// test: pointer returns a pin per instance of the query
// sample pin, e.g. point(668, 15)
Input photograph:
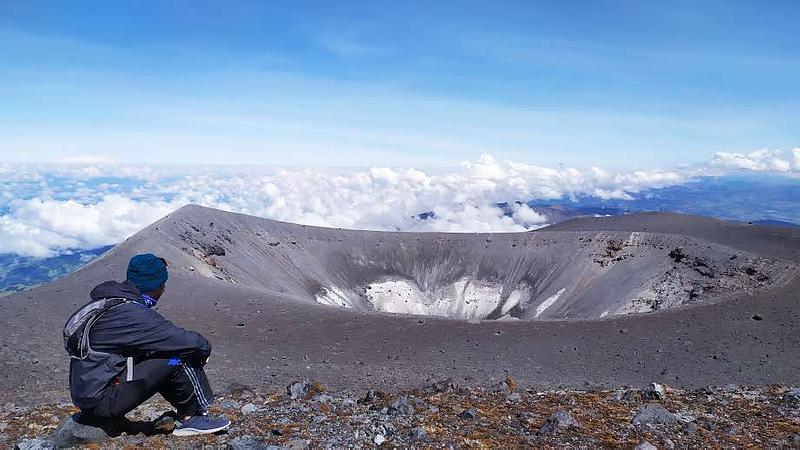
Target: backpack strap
point(79, 325)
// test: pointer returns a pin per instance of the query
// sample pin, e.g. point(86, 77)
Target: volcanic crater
point(597, 301)
point(510, 276)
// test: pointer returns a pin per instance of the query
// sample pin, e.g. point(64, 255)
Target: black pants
point(185, 387)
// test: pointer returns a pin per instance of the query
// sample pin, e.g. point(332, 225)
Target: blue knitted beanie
point(147, 272)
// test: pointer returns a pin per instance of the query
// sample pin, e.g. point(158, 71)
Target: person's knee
point(101, 412)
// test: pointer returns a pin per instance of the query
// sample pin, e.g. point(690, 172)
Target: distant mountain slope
point(18, 273)
point(772, 201)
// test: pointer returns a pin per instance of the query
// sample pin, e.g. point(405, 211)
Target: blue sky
point(619, 84)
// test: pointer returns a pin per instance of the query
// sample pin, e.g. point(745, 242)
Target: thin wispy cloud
point(386, 85)
point(351, 43)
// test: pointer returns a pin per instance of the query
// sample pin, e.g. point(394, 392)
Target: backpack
point(79, 325)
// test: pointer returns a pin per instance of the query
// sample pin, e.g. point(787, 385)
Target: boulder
point(298, 389)
point(34, 444)
point(560, 420)
point(249, 408)
point(653, 413)
point(401, 407)
point(73, 433)
point(298, 444)
point(793, 395)
point(644, 445)
point(653, 391)
point(625, 395)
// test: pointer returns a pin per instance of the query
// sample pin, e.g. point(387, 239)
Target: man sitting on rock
point(124, 352)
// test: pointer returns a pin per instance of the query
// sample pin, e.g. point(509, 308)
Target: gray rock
point(419, 403)
point(690, 428)
point(298, 444)
point(165, 423)
point(348, 403)
point(319, 419)
point(515, 397)
point(653, 413)
point(644, 445)
point(525, 416)
point(501, 387)
point(322, 398)
point(668, 444)
point(625, 395)
point(299, 407)
point(417, 434)
point(468, 414)
point(73, 434)
point(653, 391)
point(402, 407)
point(248, 442)
point(249, 408)
point(793, 395)
point(34, 444)
point(388, 428)
point(229, 404)
point(379, 439)
point(134, 441)
point(560, 420)
point(298, 389)
point(732, 430)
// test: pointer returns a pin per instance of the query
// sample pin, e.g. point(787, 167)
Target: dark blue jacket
point(129, 330)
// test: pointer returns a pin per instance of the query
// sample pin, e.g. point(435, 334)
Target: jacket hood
point(111, 289)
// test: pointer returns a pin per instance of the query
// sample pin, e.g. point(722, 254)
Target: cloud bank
point(45, 210)
point(763, 160)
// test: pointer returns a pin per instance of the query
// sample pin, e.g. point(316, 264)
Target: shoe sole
point(195, 431)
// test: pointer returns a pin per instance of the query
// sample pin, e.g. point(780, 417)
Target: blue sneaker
point(204, 424)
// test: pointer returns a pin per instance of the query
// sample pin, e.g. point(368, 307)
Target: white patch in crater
point(334, 297)
point(463, 299)
point(466, 298)
point(548, 302)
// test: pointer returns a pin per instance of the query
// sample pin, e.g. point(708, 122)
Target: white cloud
point(81, 214)
point(763, 160)
point(44, 227)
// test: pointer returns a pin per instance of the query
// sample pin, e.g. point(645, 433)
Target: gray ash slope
point(726, 295)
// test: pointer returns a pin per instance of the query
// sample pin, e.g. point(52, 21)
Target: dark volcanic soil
point(250, 284)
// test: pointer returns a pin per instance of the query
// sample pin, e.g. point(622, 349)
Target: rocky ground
point(445, 414)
